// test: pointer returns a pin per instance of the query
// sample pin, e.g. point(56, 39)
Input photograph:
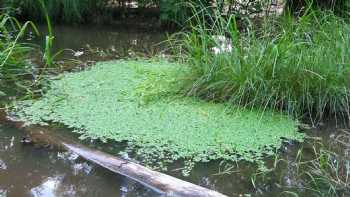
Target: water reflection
point(3, 193)
point(29, 171)
point(3, 165)
point(91, 42)
point(49, 188)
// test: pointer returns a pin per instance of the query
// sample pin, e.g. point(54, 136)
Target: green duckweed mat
point(135, 102)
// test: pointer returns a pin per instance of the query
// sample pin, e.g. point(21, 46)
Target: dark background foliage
point(167, 11)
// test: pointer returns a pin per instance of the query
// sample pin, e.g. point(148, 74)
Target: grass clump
point(13, 54)
point(108, 102)
point(298, 65)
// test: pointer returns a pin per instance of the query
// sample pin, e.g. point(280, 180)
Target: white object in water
point(49, 188)
point(78, 53)
point(81, 167)
point(3, 166)
point(12, 141)
point(224, 44)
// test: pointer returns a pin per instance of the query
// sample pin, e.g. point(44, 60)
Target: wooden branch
point(162, 183)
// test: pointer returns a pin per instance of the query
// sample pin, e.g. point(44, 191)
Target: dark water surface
point(94, 42)
point(26, 170)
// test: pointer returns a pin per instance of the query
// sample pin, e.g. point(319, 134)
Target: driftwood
point(162, 183)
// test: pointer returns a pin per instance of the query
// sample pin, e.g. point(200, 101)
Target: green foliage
point(16, 71)
point(59, 10)
point(341, 7)
point(179, 12)
point(108, 102)
point(300, 66)
point(171, 11)
point(12, 53)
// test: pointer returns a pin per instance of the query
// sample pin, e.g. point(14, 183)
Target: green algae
point(135, 101)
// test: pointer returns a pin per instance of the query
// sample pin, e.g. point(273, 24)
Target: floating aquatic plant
point(135, 101)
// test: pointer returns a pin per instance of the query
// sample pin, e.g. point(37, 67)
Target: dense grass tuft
point(300, 66)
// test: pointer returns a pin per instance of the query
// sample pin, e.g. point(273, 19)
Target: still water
point(94, 42)
point(26, 170)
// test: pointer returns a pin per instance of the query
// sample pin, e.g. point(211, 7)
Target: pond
point(27, 170)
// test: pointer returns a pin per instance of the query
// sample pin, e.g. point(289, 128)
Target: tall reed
point(49, 39)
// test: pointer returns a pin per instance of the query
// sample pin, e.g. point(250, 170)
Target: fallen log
point(162, 183)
